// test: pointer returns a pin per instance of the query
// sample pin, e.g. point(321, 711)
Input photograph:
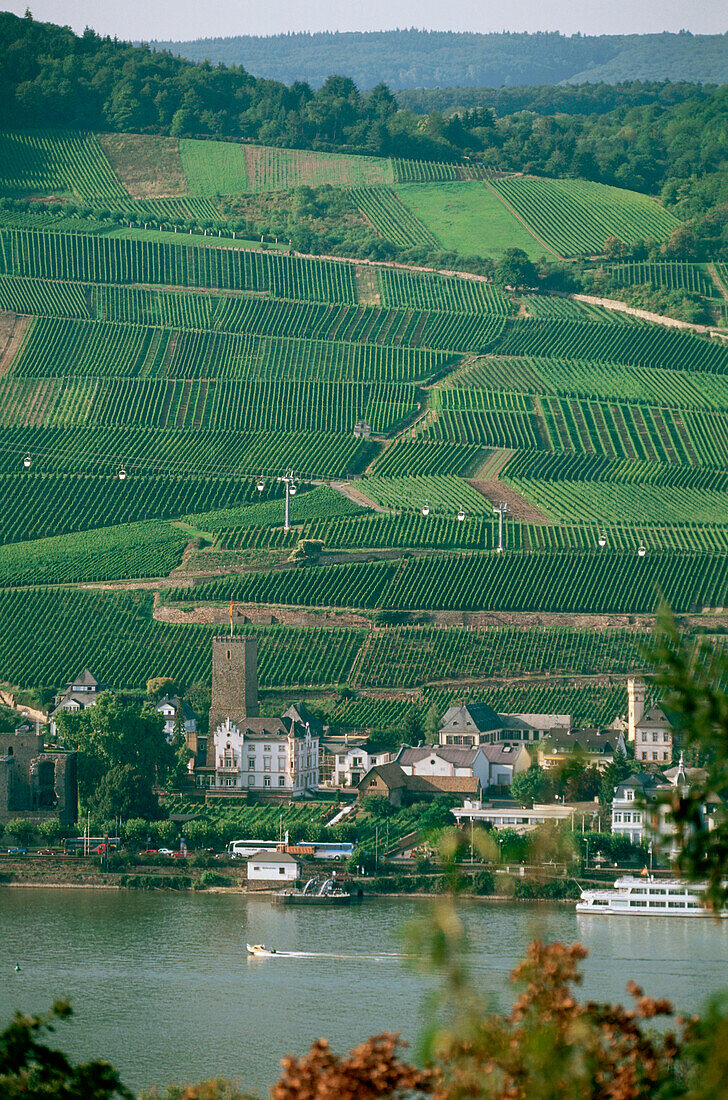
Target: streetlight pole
point(289, 482)
point(499, 509)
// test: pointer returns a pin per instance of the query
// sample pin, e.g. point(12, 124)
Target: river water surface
point(162, 987)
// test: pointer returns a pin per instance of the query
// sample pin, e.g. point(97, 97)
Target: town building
point(594, 746)
point(637, 811)
point(362, 430)
point(390, 781)
point(641, 805)
point(353, 761)
point(492, 765)
point(267, 867)
point(650, 731)
point(274, 757)
point(478, 724)
point(168, 707)
point(510, 815)
point(35, 781)
point(78, 694)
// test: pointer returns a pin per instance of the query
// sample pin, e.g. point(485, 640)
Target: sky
point(178, 20)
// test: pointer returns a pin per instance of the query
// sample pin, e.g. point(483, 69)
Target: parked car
point(179, 855)
point(101, 849)
point(17, 851)
point(165, 852)
point(49, 852)
point(150, 852)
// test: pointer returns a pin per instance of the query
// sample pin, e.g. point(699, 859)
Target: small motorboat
point(260, 949)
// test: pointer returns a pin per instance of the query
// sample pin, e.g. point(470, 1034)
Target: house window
point(665, 756)
point(266, 748)
point(281, 780)
point(266, 781)
point(654, 756)
point(266, 763)
point(666, 737)
point(630, 796)
point(251, 763)
point(643, 737)
point(281, 870)
point(251, 779)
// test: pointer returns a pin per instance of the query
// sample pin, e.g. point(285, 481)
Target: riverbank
point(86, 873)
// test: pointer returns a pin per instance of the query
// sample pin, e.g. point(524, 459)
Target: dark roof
point(299, 712)
point(502, 754)
point(588, 739)
point(86, 679)
point(653, 718)
point(482, 716)
point(273, 857)
point(642, 780)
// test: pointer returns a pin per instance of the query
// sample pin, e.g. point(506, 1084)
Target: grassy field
point(148, 165)
point(280, 169)
point(467, 218)
point(213, 167)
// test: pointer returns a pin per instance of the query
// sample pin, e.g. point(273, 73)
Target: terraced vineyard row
point(43, 162)
point(179, 452)
point(392, 219)
point(417, 458)
point(580, 467)
point(635, 343)
point(575, 583)
point(491, 418)
point(668, 274)
point(603, 381)
point(85, 258)
point(576, 216)
point(46, 636)
point(56, 348)
point(407, 290)
point(411, 656)
point(111, 553)
point(267, 405)
point(639, 432)
point(610, 502)
point(588, 703)
point(38, 506)
point(242, 313)
point(444, 494)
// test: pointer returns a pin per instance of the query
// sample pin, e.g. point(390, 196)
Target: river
point(161, 985)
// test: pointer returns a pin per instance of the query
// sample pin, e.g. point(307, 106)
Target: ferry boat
point(646, 897)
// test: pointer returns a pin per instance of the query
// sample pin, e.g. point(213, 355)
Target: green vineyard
point(558, 582)
point(576, 217)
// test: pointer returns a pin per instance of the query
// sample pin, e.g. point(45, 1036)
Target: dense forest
point(553, 99)
point(431, 59)
point(676, 144)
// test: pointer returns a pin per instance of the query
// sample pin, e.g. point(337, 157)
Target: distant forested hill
point(432, 59)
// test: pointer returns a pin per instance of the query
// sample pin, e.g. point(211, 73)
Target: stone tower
point(234, 685)
point(636, 706)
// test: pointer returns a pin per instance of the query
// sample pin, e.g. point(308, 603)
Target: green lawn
point(468, 218)
point(213, 167)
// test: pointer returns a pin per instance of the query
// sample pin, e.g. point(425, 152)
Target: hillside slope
point(426, 59)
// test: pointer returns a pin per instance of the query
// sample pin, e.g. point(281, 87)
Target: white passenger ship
point(647, 897)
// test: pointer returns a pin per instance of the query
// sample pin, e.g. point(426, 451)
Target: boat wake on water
point(270, 953)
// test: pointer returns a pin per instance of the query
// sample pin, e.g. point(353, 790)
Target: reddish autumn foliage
point(369, 1071)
